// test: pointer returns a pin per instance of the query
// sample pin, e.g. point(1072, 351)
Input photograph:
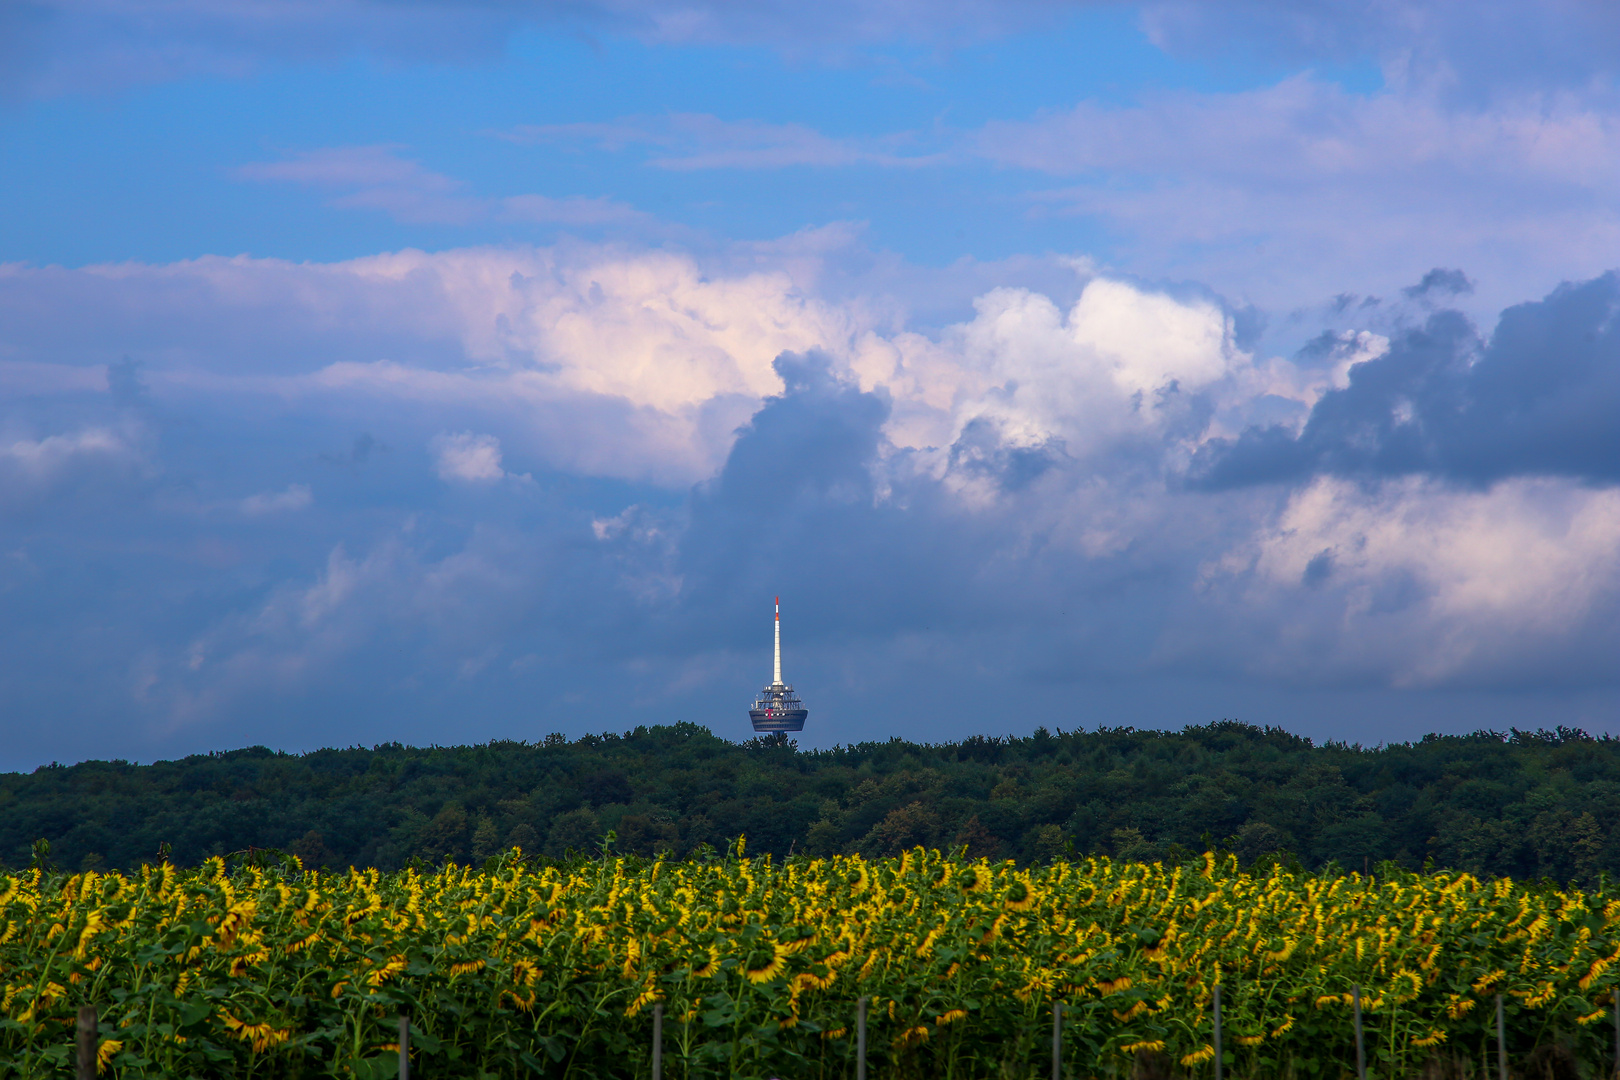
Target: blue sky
point(184, 152)
point(449, 372)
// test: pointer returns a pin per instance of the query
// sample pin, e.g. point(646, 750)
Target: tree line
point(1528, 804)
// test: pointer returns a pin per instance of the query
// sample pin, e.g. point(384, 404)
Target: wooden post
point(860, 1039)
point(1361, 1047)
point(1217, 1031)
point(1501, 1038)
point(404, 1046)
point(1057, 1040)
point(87, 1043)
point(658, 1041)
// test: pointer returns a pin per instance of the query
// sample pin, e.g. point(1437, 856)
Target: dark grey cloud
point(124, 382)
point(1440, 282)
point(796, 510)
point(1539, 398)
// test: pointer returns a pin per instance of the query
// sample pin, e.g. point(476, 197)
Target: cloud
point(377, 178)
point(1416, 583)
point(60, 47)
point(692, 141)
point(351, 167)
point(633, 364)
point(1440, 281)
point(1537, 399)
point(124, 382)
point(1039, 501)
point(1407, 583)
point(1474, 50)
point(295, 497)
point(1095, 371)
point(81, 463)
point(1284, 190)
point(469, 458)
point(42, 459)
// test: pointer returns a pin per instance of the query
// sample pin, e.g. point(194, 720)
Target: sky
point(443, 372)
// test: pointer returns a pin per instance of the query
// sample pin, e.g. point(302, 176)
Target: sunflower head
point(764, 963)
point(1199, 1056)
point(709, 966)
point(106, 1052)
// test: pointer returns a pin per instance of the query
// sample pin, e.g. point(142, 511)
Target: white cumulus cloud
point(1417, 583)
point(469, 458)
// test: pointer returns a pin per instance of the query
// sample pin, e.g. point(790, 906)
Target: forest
point(1528, 804)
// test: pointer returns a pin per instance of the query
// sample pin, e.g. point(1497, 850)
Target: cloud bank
point(563, 482)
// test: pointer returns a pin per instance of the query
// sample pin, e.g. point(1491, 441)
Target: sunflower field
point(541, 970)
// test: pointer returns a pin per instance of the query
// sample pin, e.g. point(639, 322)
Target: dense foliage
point(553, 970)
point(1528, 805)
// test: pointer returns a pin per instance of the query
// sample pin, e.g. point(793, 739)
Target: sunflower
point(1131, 1013)
point(1199, 1056)
point(262, 1036)
point(391, 967)
point(648, 995)
point(104, 1054)
point(709, 966)
point(762, 967)
point(1019, 897)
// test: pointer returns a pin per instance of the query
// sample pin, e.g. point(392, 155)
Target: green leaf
point(381, 1067)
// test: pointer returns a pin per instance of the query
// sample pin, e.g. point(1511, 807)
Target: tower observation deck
point(778, 708)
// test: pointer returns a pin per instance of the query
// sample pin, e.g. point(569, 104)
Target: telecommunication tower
point(778, 708)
